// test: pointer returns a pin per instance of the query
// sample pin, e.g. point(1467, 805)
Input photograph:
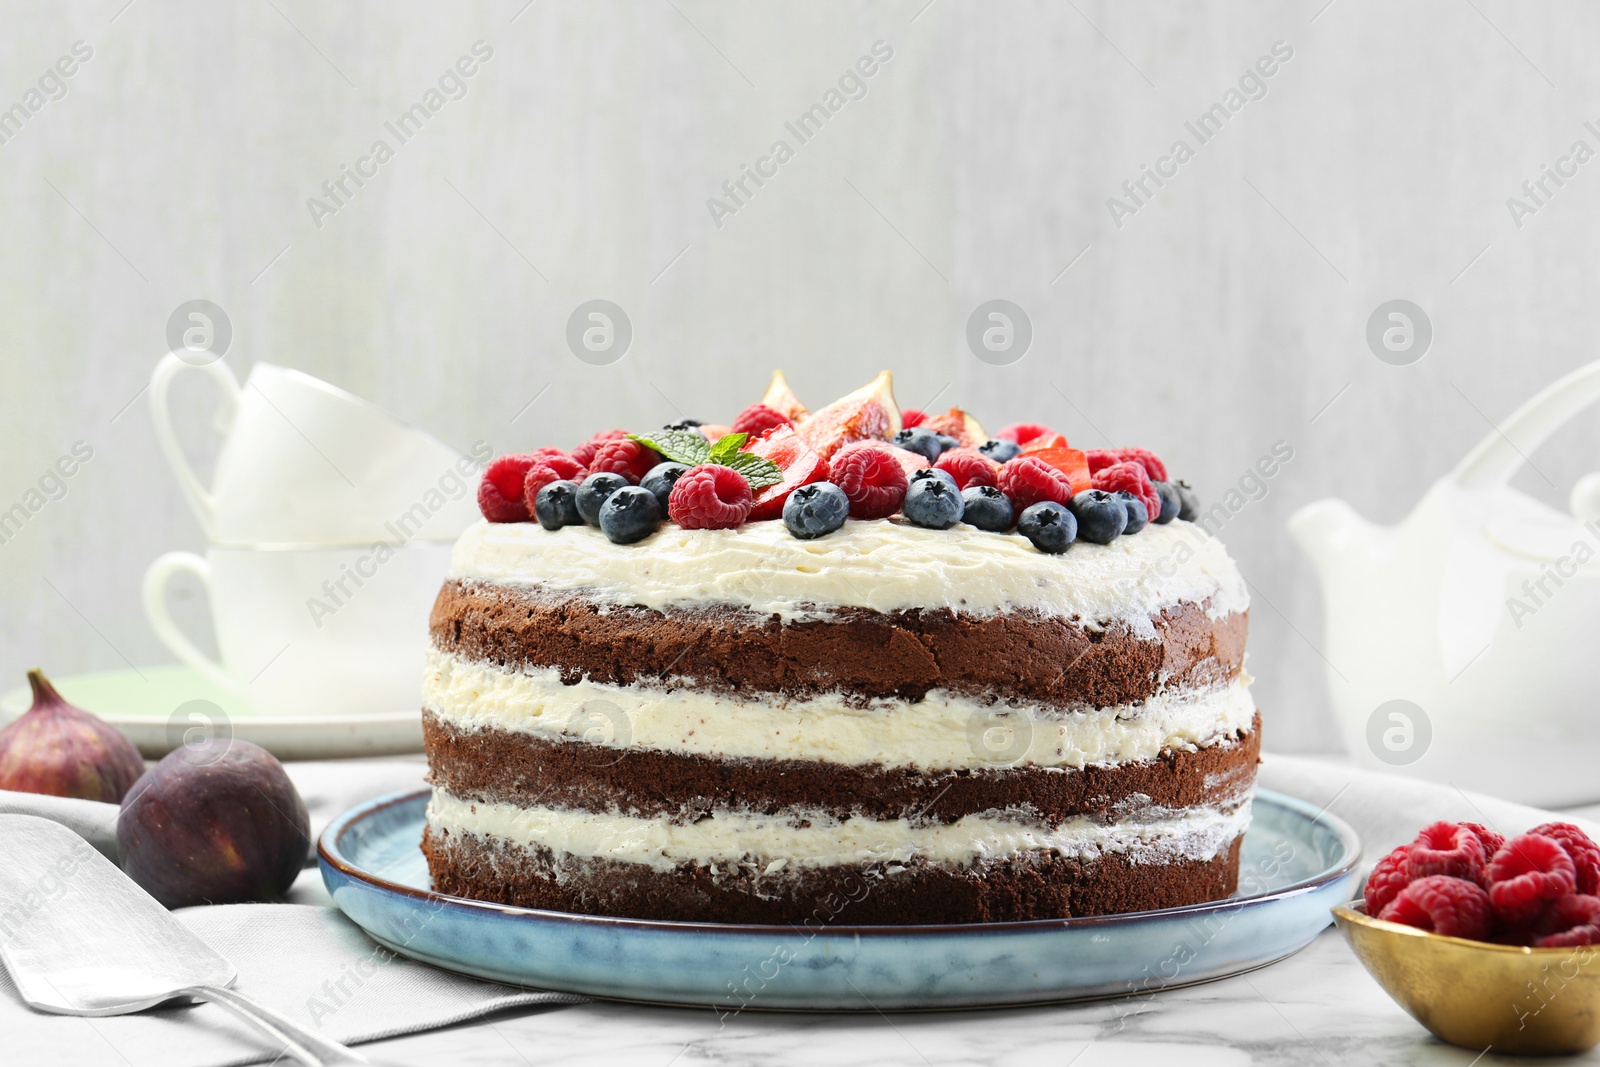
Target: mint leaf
point(760, 471)
point(727, 447)
point(682, 446)
point(691, 448)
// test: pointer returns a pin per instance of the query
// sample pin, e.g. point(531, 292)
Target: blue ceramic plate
point(1297, 864)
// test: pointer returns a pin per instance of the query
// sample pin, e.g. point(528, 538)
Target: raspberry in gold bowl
point(1479, 995)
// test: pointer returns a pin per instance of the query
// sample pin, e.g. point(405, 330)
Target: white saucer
point(156, 707)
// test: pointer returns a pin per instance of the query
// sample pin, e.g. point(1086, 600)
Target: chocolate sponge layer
point(1040, 659)
point(511, 767)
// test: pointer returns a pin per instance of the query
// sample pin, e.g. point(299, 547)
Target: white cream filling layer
point(773, 842)
point(881, 564)
point(941, 732)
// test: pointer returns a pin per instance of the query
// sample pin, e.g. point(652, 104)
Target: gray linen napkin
point(312, 964)
point(1387, 810)
point(309, 962)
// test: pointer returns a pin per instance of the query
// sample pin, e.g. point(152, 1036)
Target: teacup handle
point(156, 577)
point(199, 497)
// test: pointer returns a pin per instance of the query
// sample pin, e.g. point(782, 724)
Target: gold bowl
point(1515, 1000)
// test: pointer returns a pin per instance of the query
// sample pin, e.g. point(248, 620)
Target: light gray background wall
point(1225, 316)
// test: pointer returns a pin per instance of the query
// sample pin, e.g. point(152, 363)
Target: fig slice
point(800, 465)
point(868, 414)
point(958, 424)
point(780, 398)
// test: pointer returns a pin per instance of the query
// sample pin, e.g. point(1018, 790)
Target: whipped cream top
point(881, 564)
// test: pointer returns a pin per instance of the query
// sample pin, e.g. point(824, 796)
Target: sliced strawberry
point(911, 418)
point(714, 433)
point(958, 424)
point(868, 414)
point(1052, 448)
point(800, 465)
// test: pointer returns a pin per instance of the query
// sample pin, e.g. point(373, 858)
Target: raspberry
point(911, 418)
point(550, 465)
point(1573, 920)
point(1023, 432)
point(1106, 457)
point(1588, 934)
point(757, 419)
point(1392, 874)
point(968, 467)
point(709, 497)
point(624, 456)
point(1491, 840)
point(1129, 477)
point(1445, 905)
point(1029, 479)
point(584, 453)
point(1577, 909)
point(1581, 847)
point(500, 491)
point(1447, 848)
point(1527, 873)
point(872, 479)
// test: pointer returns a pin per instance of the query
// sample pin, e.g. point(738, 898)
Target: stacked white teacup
point(330, 523)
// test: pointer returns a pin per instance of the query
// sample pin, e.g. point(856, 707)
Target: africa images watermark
point(1553, 575)
point(1265, 873)
point(1537, 192)
point(51, 486)
point(453, 484)
point(1203, 128)
point(342, 188)
point(50, 885)
point(852, 85)
point(51, 86)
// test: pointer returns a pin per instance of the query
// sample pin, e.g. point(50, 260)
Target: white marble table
point(1318, 1007)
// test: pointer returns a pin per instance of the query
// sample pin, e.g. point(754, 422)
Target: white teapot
point(1463, 645)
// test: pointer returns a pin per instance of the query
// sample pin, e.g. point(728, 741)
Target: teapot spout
point(1330, 531)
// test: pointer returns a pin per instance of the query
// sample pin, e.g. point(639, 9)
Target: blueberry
point(630, 514)
point(1170, 502)
point(1000, 451)
point(815, 510)
point(987, 508)
point(923, 442)
point(593, 492)
point(947, 442)
point(661, 479)
point(557, 505)
point(1138, 514)
point(1101, 516)
point(1188, 502)
point(1051, 527)
point(683, 424)
point(933, 472)
point(933, 502)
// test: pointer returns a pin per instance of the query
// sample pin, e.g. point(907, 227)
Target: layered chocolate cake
point(886, 722)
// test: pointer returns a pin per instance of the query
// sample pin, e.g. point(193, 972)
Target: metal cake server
point(80, 938)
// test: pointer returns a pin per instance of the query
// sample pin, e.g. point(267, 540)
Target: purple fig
point(216, 822)
point(64, 751)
